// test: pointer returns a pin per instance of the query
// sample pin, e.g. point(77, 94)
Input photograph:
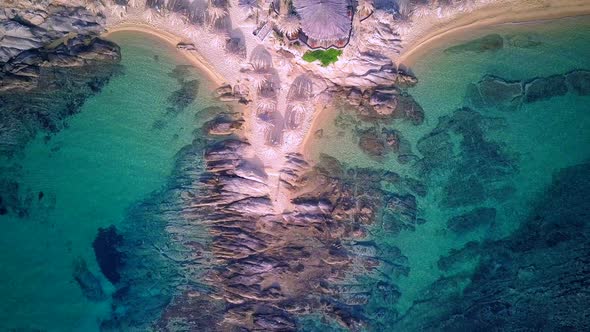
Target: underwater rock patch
point(472, 220)
point(534, 278)
point(182, 98)
point(379, 143)
point(223, 125)
point(106, 249)
point(489, 43)
point(579, 81)
point(456, 257)
point(493, 91)
point(544, 88)
point(462, 161)
point(40, 89)
point(523, 40)
point(504, 95)
point(88, 282)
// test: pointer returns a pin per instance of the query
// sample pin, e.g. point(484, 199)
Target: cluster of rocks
point(50, 35)
point(385, 103)
point(376, 109)
point(212, 240)
point(369, 70)
point(50, 61)
point(496, 92)
point(228, 93)
point(378, 143)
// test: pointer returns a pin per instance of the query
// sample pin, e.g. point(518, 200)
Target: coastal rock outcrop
point(385, 104)
point(50, 62)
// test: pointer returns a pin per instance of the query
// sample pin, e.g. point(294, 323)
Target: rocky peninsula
point(250, 234)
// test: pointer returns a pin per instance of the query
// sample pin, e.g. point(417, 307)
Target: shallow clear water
point(544, 136)
point(117, 150)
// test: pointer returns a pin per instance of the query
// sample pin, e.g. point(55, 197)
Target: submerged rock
point(371, 143)
point(456, 257)
point(523, 40)
point(544, 88)
point(579, 82)
point(88, 282)
point(106, 249)
point(472, 220)
point(469, 169)
point(223, 125)
point(498, 93)
point(493, 42)
point(535, 277)
point(493, 91)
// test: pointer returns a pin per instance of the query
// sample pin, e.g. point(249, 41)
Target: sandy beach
point(193, 56)
point(430, 32)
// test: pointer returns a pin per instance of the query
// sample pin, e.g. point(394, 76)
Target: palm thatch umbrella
point(136, 3)
point(250, 7)
point(257, 79)
point(365, 8)
point(301, 89)
point(118, 11)
point(219, 39)
point(215, 13)
point(325, 20)
point(273, 134)
point(150, 15)
point(266, 104)
point(260, 59)
point(290, 25)
point(295, 114)
point(266, 108)
point(177, 20)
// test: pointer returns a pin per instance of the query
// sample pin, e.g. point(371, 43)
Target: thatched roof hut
point(325, 23)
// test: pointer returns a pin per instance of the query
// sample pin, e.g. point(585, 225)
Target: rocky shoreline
point(247, 235)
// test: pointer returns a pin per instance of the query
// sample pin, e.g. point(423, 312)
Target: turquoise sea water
point(121, 147)
point(116, 151)
point(543, 137)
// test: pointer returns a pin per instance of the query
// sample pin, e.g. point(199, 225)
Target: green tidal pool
point(117, 150)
